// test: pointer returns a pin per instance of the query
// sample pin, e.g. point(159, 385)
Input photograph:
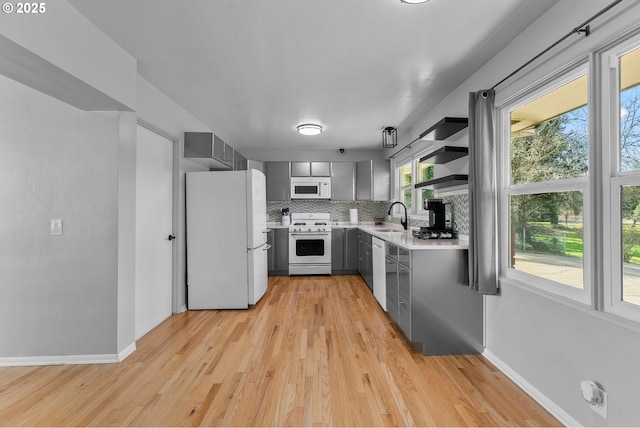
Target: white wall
point(66, 298)
point(126, 234)
point(549, 343)
point(58, 293)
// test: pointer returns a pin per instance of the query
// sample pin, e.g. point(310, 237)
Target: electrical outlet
point(595, 395)
point(56, 226)
point(601, 408)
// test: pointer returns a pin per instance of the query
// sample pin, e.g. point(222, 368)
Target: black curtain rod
point(580, 29)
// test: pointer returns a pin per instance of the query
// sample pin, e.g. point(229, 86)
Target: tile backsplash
point(339, 210)
point(368, 211)
point(460, 214)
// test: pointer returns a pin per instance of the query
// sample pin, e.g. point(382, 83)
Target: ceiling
point(252, 70)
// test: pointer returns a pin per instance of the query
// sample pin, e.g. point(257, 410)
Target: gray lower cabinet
point(278, 185)
point(391, 281)
point(404, 300)
point(352, 238)
point(429, 298)
point(365, 259)
point(344, 251)
point(337, 249)
point(278, 254)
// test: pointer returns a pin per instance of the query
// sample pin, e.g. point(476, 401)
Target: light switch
point(56, 226)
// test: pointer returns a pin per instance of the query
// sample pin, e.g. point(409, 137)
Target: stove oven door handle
point(309, 234)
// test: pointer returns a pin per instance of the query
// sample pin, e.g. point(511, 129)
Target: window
point(424, 172)
point(408, 173)
point(406, 184)
point(624, 295)
point(552, 171)
point(548, 146)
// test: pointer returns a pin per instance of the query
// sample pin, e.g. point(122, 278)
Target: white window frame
point(416, 212)
point(506, 190)
point(613, 179)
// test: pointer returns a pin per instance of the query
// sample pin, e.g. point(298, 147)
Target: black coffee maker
point(440, 216)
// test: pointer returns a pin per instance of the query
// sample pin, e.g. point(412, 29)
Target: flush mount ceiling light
point(309, 129)
point(413, 1)
point(389, 137)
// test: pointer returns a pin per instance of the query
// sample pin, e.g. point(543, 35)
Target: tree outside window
point(548, 148)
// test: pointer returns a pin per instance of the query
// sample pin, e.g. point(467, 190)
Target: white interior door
point(154, 224)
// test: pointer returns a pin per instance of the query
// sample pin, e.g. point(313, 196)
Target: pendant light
point(389, 137)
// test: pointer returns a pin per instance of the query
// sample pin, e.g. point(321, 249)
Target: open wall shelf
point(443, 182)
point(445, 128)
point(445, 154)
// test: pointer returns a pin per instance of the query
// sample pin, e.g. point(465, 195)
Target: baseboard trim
point(183, 309)
point(542, 399)
point(58, 360)
point(126, 352)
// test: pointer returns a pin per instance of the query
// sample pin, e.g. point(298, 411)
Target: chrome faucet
point(403, 223)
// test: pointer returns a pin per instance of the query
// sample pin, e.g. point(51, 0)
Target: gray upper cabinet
point(218, 147)
point(208, 150)
point(278, 187)
point(300, 169)
point(239, 162)
point(310, 169)
point(228, 154)
point(321, 169)
point(343, 181)
point(372, 180)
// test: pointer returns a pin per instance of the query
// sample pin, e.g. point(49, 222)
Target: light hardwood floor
point(314, 351)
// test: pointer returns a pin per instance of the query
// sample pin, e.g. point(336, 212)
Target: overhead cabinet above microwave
point(311, 169)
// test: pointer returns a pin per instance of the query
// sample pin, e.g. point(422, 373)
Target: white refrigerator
point(226, 239)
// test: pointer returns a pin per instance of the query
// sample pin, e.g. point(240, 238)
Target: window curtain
point(482, 193)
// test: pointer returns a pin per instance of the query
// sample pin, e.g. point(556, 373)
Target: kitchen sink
point(388, 230)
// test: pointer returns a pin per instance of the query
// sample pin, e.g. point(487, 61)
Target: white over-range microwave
point(310, 187)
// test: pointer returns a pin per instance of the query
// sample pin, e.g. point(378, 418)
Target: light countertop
point(400, 237)
point(404, 238)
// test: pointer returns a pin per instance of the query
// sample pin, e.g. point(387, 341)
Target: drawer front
point(404, 318)
point(404, 300)
point(391, 277)
point(404, 256)
point(392, 251)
